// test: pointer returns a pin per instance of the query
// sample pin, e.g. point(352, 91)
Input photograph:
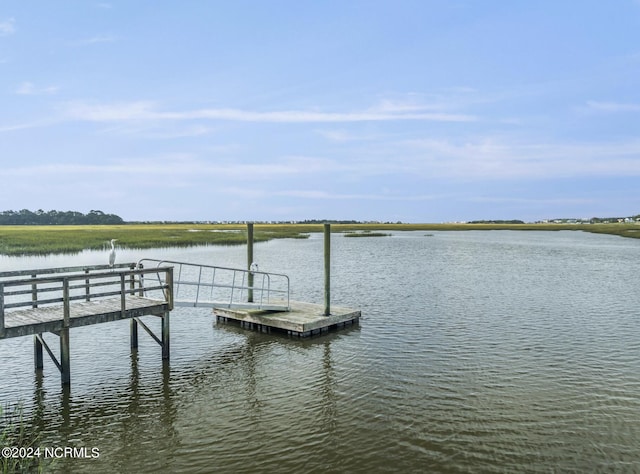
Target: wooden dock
point(54, 300)
point(302, 320)
point(33, 302)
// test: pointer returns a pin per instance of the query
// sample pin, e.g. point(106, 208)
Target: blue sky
point(413, 111)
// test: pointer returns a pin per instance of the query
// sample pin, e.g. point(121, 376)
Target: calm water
point(477, 352)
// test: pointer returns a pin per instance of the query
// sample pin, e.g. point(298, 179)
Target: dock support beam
point(327, 269)
point(250, 261)
point(65, 360)
point(165, 336)
point(134, 334)
point(38, 358)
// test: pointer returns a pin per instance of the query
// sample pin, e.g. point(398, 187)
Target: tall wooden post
point(327, 269)
point(250, 261)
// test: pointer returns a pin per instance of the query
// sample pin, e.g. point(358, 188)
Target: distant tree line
point(40, 217)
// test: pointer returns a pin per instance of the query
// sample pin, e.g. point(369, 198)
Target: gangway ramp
point(208, 286)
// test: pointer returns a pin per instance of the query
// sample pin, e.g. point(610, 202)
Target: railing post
point(66, 302)
point(87, 290)
point(141, 280)
point(123, 301)
point(327, 269)
point(250, 261)
point(1, 309)
point(169, 290)
point(34, 293)
point(132, 278)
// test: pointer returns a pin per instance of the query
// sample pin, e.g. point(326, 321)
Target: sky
point(384, 110)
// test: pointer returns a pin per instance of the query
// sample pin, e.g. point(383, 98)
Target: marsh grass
point(17, 433)
point(42, 240)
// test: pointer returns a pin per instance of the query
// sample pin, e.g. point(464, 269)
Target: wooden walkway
point(26, 322)
point(33, 302)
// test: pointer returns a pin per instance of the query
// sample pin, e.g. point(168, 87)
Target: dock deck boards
point(303, 320)
point(28, 321)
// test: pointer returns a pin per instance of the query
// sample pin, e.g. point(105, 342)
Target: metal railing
point(52, 286)
point(199, 285)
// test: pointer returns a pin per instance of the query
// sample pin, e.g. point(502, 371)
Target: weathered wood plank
point(32, 321)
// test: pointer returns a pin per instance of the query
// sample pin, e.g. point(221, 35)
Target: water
point(477, 352)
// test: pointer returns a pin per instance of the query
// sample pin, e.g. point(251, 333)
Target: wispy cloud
point(496, 158)
point(342, 136)
point(178, 165)
point(613, 106)
point(7, 27)
point(98, 39)
point(149, 111)
point(324, 195)
point(28, 88)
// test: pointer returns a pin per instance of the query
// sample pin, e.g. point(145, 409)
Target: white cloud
point(342, 136)
point(148, 111)
point(311, 194)
point(97, 39)
point(495, 158)
point(613, 106)
point(28, 88)
point(7, 27)
point(181, 165)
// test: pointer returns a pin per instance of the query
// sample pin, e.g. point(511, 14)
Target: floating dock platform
point(303, 319)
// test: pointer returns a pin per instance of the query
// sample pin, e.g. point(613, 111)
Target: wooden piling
point(327, 269)
point(165, 336)
point(65, 359)
point(38, 358)
point(250, 261)
point(133, 334)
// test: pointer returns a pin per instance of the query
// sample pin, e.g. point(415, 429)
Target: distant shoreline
point(42, 240)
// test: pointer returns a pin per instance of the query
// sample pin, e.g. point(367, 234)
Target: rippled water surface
point(477, 352)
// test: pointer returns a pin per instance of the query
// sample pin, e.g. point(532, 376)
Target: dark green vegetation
point(38, 240)
point(40, 217)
